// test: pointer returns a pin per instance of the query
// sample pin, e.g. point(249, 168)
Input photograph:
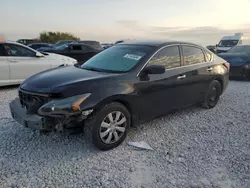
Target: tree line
point(53, 37)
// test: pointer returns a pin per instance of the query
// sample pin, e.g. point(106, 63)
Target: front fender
point(123, 92)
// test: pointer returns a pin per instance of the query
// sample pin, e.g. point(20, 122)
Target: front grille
point(32, 101)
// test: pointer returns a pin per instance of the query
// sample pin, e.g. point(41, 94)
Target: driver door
point(160, 93)
point(23, 62)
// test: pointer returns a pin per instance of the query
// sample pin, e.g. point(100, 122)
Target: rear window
point(120, 58)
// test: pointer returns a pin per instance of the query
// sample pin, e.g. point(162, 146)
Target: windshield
point(228, 43)
point(61, 47)
point(240, 49)
point(120, 58)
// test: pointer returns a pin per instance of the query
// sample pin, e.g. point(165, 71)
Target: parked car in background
point(212, 48)
point(131, 82)
point(79, 51)
point(239, 59)
point(228, 42)
point(93, 44)
point(18, 62)
point(26, 41)
point(106, 45)
point(119, 41)
point(36, 46)
point(59, 43)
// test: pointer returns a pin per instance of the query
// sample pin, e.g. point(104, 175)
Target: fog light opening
point(86, 112)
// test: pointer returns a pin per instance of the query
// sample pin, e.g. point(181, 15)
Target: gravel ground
point(194, 148)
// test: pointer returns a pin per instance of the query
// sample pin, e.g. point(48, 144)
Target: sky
point(200, 21)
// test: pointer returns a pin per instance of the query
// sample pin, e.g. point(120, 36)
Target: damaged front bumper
point(45, 123)
point(32, 121)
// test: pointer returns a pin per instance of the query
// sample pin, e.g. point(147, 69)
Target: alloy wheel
point(113, 127)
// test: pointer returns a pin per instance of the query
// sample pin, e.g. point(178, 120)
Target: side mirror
point(154, 69)
point(39, 54)
point(216, 45)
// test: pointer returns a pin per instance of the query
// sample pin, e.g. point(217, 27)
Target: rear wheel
point(212, 95)
point(108, 126)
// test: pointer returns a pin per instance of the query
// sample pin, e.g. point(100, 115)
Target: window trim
point(170, 45)
point(181, 54)
point(195, 46)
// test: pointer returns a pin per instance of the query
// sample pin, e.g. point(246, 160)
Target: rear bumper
point(32, 121)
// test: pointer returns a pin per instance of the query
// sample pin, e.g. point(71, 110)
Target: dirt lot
point(194, 148)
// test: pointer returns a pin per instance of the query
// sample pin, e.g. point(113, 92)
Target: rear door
point(23, 62)
point(197, 73)
point(4, 68)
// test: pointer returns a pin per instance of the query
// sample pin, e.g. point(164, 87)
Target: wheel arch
point(122, 100)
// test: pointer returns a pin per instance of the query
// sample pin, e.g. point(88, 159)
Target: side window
point(18, 51)
point(208, 56)
point(76, 47)
point(2, 51)
point(192, 55)
point(84, 48)
point(240, 41)
point(169, 57)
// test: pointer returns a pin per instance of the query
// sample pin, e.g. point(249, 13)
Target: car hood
point(67, 80)
point(60, 58)
point(236, 59)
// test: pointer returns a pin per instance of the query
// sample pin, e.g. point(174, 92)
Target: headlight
point(66, 106)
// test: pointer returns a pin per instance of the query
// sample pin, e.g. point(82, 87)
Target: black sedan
point(59, 43)
point(79, 51)
point(92, 43)
point(131, 82)
point(239, 59)
point(36, 46)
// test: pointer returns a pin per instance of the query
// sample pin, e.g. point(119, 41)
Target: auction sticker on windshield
point(133, 56)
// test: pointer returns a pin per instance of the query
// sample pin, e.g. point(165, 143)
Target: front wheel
point(212, 95)
point(109, 126)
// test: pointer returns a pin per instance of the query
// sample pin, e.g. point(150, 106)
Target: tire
point(99, 124)
point(212, 95)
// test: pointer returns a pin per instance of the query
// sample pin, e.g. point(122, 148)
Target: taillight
point(227, 65)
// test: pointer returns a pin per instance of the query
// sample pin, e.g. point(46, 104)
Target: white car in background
point(18, 62)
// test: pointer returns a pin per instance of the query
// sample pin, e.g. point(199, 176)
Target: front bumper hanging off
point(32, 121)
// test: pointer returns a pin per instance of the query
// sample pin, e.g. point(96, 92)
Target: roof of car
point(154, 43)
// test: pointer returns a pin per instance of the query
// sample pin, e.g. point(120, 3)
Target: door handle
point(209, 68)
point(181, 77)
